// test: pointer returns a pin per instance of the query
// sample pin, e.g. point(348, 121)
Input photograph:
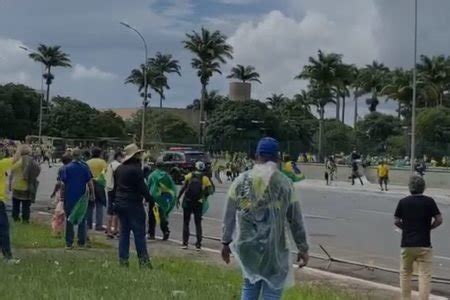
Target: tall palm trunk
point(202, 107)
point(48, 82)
point(343, 109)
point(355, 117)
point(160, 101)
point(338, 108)
point(321, 113)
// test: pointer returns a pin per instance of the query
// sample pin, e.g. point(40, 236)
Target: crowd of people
point(262, 209)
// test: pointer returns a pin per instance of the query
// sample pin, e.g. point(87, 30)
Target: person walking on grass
point(129, 192)
point(416, 215)
point(112, 226)
point(196, 188)
point(75, 177)
point(6, 163)
point(383, 175)
point(97, 166)
point(261, 213)
point(24, 184)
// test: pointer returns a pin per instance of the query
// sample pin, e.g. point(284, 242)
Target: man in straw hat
point(129, 190)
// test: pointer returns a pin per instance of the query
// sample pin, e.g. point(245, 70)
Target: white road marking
point(376, 212)
point(442, 257)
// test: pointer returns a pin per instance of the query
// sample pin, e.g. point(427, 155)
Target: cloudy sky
point(277, 37)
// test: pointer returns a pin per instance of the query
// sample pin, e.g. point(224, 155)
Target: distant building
point(190, 116)
point(240, 91)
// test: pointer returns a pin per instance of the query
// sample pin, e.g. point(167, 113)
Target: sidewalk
point(442, 196)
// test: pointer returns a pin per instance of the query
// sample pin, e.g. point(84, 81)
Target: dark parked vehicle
point(180, 161)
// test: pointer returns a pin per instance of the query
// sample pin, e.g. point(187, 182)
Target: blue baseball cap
point(268, 148)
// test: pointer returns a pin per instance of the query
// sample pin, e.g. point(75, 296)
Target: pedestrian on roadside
point(330, 169)
point(112, 225)
point(6, 163)
point(129, 192)
point(97, 166)
point(217, 169)
point(75, 177)
point(416, 215)
point(163, 192)
point(59, 216)
point(196, 188)
point(262, 206)
point(24, 184)
point(383, 175)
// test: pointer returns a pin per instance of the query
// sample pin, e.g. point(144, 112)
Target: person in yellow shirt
point(97, 166)
point(383, 175)
point(196, 188)
point(6, 164)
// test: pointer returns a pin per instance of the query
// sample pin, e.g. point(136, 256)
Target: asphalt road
point(351, 225)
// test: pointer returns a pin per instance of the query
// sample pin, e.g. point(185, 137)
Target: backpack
point(194, 191)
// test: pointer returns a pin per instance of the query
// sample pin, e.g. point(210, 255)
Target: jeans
point(189, 208)
point(253, 291)
point(70, 232)
point(98, 204)
point(5, 244)
point(164, 223)
point(26, 204)
point(424, 259)
point(132, 219)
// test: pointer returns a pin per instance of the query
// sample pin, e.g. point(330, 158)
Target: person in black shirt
point(129, 191)
point(416, 215)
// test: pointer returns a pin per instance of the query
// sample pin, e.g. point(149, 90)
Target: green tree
point(50, 56)
point(163, 127)
point(435, 71)
point(154, 80)
point(210, 51)
point(357, 89)
point(373, 79)
point(433, 131)
point(213, 100)
point(163, 65)
point(373, 131)
point(19, 111)
point(109, 124)
point(244, 74)
point(277, 100)
point(338, 137)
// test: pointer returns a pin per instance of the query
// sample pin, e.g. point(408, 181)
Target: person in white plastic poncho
point(262, 218)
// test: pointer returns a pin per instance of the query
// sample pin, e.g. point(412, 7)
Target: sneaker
point(12, 261)
point(166, 236)
point(151, 237)
point(198, 247)
point(184, 246)
point(110, 236)
point(124, 263)
point(69, 248)
point(145, 264)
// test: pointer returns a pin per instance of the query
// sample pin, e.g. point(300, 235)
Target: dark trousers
point(132, 219)
point(26, 204)
point(5, 244)
point(190, 208)
point(97, 205)
point(164, 223)
point(70, 230)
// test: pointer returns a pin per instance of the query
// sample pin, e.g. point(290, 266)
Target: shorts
point(383, 179)
point(110, 209)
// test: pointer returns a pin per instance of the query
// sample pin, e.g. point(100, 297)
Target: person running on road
point(416, 215)
point(196, 188)
point(112, 225)
point(97, 166)
point(129, 191)
point(383, 175)
point(261, 213)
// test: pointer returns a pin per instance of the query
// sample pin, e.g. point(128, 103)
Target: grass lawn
point(36, 235)
point(46, 273)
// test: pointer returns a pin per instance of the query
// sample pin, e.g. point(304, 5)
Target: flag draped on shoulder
point(163, 190)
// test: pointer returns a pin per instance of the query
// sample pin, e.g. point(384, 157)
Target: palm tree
point(357, 87)
point(302, 101)
point(154, 79)
point(324, 72)
point(276, 100)
point(162, 65)
point(244, 73)
point(210, 51)
point(50, 56)
point(435, 70)
point(373, 79)
point(345, 76)
point(212, 101)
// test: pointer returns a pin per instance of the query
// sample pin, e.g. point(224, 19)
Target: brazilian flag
point(79, 211)
point(163, 190)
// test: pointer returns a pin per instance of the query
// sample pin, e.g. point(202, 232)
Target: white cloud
point(15, 66)
point(279, 45)
point(237, 2)
point(81, 72)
